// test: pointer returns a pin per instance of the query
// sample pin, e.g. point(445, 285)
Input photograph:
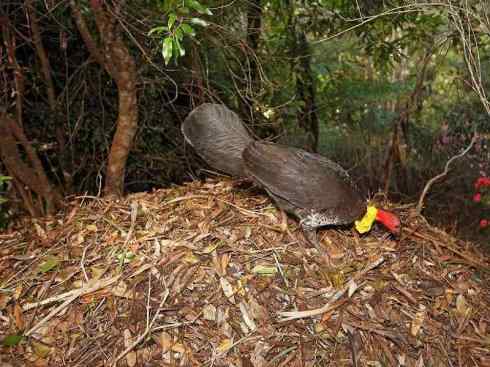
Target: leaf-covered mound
point(210, 274)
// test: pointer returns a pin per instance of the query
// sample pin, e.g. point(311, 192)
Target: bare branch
point(444, 173)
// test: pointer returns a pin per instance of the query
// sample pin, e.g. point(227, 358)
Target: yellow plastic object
point(365, 224)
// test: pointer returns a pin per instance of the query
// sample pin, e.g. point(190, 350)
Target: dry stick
point(293, 315)
point(188, 197)
point(443, 174)
point(59, 297)
point(76, 292)
point(466, 257)
point(89, 288)
point(134, 214)
point(145, 333)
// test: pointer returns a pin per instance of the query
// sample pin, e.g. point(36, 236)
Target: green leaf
point(264, 270)
point(176, 50)
point(159, 30)
point(179, 34)
point(186, 28)
point(171, 20)
point(11, 340)
point(167, 48)
point(199, 21)
point(178, 47)
point(125, 257)
point(194, 4)
point(50, 263)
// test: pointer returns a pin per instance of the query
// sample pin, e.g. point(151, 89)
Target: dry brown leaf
point(128, 341)
point(209, 312)
point(91, 228)
point(165, 341)
point(4, 299)
point(178, 348)
point(97, 271)
point(18, 291)
point(225, 260)
point(224, 345)
point(190, 258)
point(227, 289)
point(18, 316)
point(40, 349)
point(121, 290)
point(417, 323)
point(247, 318)
point(462, 306)
point(259, 353)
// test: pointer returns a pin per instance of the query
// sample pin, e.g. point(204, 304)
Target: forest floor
point(212, 274)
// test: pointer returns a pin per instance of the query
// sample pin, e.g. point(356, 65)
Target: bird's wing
point(304, 179)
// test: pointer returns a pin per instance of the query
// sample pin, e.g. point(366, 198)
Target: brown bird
point(316, 190)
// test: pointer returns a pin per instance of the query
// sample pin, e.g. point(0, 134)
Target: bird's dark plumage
point(315, 189)
point(219, 136)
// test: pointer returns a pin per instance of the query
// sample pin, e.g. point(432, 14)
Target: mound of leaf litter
point(209, 274)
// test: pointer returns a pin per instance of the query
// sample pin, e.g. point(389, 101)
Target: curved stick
point(444, 173)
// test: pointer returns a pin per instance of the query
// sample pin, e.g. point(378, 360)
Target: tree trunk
point(114, 56)
point(56, 120)
point(305, 88)
point(26, 169)
point(254, 21)
point(249, 84)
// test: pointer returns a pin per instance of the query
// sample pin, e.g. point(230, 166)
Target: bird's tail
point(218, 136)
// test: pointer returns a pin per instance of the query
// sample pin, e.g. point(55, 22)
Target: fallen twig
point(89, 288)
point(293, 315)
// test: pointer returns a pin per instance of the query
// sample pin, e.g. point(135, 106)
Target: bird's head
point(386, 218)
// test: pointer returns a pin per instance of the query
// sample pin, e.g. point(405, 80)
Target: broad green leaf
point(194, 4)
point(50, 263)
point(167, 48)
point(171, 20)
point(176, 51)
point(158, 30)
point(179, 34)
point(178, 47)
point(186, 28)
point(11, 340)
point(199, 21)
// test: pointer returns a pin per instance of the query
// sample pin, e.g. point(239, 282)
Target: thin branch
point(41, 54)
point(443, 174)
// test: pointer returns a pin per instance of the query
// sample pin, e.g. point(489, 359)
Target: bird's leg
point(284, 225)
point(312, 238)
